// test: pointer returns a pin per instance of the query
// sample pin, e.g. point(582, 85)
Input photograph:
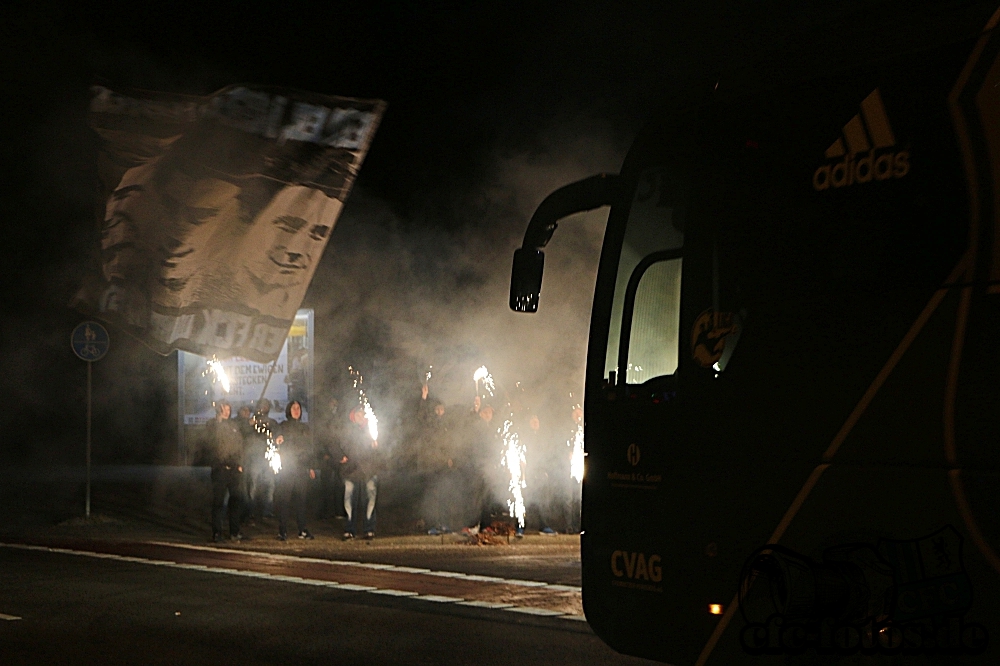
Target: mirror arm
point(529, 260)
point(583, 195)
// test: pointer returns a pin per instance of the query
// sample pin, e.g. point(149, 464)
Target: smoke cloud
point(400, 297)
point(422, 295)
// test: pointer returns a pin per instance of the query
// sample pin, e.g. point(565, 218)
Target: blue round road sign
point(90, 341)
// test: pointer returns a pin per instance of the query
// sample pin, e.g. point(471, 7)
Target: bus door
point(634, 418)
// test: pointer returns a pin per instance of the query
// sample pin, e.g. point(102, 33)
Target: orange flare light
point(715, 609)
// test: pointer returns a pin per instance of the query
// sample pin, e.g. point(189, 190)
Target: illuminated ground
point(65, 608)
point(176, 512)
point(108, 589)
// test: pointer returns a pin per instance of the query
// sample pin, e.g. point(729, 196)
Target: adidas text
point(862, 170)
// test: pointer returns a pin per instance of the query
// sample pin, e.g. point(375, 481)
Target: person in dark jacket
point(439, 463)
point(329, 432)
point(244, 419)
point(297, 467)
point(260, 484)
point(226, 459)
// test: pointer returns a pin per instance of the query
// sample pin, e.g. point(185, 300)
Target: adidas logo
point(873, 140)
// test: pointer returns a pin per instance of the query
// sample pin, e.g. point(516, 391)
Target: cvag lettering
point(636, 566)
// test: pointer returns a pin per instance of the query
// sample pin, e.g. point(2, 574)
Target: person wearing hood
point(244, 419)
point(226, 460)
point(329, 433)
point(260, 481)
point(297, 468)
point(437, 460)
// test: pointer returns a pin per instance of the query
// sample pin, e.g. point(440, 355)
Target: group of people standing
point(445, 462)
point(248, 485)
point(451, 456)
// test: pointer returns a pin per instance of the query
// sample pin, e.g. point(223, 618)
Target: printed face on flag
point(217, 211)
point(127, 236)
point(280, 251)
point(203, 210)
point(159, 232)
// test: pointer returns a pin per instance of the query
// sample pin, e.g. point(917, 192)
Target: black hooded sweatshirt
point(297, 454)
point(226, 443)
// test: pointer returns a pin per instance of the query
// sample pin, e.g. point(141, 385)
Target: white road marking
point(373, 565)
point(395, 593)
point(182, 565)
point(524, 583)
point(562, 588)
point(528, 610)
point(486, 604)
point(318, 583)
point(484, 579)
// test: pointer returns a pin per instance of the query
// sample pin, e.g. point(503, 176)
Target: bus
point(792, 407)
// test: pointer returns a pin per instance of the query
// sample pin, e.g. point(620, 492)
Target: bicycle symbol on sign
point(90, 341)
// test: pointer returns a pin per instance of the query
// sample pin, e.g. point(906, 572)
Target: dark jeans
point(260, 491)
point(290, 492)
point(330, 493)
point(226, 481)
point(444, 499)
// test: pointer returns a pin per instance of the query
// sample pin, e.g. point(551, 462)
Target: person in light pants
point(359, 458)
point(352, 506)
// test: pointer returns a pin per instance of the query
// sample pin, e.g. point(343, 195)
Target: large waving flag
point(216, 211)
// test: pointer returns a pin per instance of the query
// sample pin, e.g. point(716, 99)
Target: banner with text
point(287, 378)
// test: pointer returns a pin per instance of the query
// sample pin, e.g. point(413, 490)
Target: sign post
point(89, 341)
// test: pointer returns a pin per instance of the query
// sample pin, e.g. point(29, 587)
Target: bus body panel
point(819, 225)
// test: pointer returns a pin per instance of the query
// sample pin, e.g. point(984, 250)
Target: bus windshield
point(655, 224)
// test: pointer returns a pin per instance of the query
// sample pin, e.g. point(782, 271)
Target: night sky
point(490, 107)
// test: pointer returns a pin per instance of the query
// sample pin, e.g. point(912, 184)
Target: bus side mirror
point(526, 279)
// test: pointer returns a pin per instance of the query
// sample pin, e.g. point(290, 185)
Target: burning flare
point(215, 366)
point(272, 456)
point(576, 459)
point(513, 459)
point(483, 375)
point(271, 453)
point(370, 417)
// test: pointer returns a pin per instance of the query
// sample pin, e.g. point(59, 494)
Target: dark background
point(491, 106)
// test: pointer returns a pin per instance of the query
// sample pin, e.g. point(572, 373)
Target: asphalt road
point(120, 608)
